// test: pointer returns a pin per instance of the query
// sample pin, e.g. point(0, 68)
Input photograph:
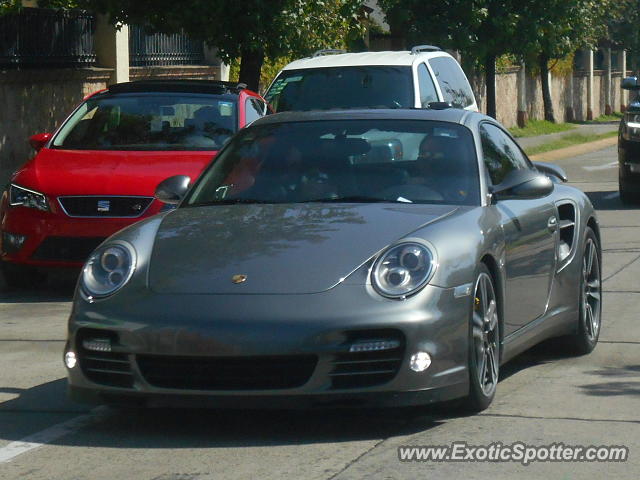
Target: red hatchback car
point(98, 172)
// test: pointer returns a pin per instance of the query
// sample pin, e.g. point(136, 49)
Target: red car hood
point(89, 172)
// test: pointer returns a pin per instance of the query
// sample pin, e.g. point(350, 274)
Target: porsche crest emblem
point(239, 278)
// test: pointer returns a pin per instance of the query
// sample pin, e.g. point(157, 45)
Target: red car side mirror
point(39, 140)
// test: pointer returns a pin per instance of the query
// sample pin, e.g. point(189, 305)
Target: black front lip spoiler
point(268, 402)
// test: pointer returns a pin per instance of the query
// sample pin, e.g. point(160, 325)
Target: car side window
point(253, 110)
point(427, 87)
point(501, 154)
point(452, 81)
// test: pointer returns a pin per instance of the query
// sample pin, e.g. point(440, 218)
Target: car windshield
point(351, 161)
point(342, 87)
point(158, 121)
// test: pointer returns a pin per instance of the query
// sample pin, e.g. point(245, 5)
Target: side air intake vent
point(567, 232)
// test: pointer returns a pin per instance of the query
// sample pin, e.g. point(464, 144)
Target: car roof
point(183, 86)
point(391, 58)
point(453, 115)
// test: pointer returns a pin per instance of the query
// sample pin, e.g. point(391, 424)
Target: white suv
point(407, 79)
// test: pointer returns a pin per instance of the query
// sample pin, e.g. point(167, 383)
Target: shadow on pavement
point(609, 200)
point(624, 381)
point(43, 406)
point(59, 287)
point(545, 352)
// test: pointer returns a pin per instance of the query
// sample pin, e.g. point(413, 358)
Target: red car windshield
point(158, 121)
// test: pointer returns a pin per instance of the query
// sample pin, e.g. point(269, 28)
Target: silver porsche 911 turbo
point(383, 257)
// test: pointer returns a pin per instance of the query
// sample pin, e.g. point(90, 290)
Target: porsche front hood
point(280, 249)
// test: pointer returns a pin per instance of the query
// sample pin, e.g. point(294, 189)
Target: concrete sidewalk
point(585, 129)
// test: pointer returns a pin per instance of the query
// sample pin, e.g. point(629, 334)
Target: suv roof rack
point(187, 86)
point(424, 48)
point(328, 51)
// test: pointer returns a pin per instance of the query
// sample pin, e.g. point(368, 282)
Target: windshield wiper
point(230, 201)
point(351, 199)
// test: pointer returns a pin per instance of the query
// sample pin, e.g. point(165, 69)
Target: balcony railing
point(158, 49)
point(36, 37)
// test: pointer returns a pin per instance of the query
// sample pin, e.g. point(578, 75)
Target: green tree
point(248, 30)
point(481, 30)
point(624, 28)
point(553, 29)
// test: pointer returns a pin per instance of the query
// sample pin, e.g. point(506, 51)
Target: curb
point(574, 150)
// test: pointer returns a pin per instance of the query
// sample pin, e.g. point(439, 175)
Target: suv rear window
point(158, 121)
point(453, 84)
point(342, 87)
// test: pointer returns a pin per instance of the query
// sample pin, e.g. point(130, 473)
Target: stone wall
point(37, 101)
point(568, 94)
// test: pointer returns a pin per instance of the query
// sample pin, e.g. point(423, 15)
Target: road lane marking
point(50, 434)
point(605, 166)
point(611, 196)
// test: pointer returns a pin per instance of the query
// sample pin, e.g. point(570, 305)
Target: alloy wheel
point(485, 334)
point(591, 290)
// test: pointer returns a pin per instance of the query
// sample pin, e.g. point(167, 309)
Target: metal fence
point(36, 37)
point(153, 49)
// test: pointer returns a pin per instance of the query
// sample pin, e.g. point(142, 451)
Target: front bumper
point(54, 239)
point(233, 329)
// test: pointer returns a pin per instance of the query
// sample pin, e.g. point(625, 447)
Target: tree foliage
point(251, 29)
point(480, 29)
point(624, 28)
point(558, 28)
point(487, 29)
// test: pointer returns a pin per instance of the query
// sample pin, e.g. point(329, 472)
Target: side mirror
point(630, 83)
point(39, 140)
point(556, 172)
point(173, 189)
point(523, 184)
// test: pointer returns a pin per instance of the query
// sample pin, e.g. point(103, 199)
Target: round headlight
point(402, 270)
point(108, 269)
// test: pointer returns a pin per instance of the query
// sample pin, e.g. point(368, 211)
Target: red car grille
point(107, 206)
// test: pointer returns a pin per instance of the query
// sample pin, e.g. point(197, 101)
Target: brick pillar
point(522, 96)
point(112, 48)
point(570, 114)
point(589, 70)
point(608, 110)
point(211, 58)
point(624, 96)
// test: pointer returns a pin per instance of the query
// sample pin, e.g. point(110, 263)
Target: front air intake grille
point(227, 373)
point(67, 249)
point(356, 369)
point(103, 367)
point(105, 206)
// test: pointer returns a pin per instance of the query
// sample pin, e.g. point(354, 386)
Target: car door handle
point(552, 224)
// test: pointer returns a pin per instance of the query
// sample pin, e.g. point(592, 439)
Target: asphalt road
point(544, 397)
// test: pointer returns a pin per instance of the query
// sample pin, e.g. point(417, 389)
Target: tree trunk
point(250, 67)
point(490, 76)
point(546, 88)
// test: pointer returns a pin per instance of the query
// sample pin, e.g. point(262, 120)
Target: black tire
point(484, 343)
point(22, 276)
point(589, 323)
point(627, 197)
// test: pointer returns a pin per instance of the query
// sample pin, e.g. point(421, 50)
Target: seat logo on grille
point(104, 205)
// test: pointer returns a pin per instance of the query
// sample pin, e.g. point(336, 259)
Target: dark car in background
point(629, 145)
